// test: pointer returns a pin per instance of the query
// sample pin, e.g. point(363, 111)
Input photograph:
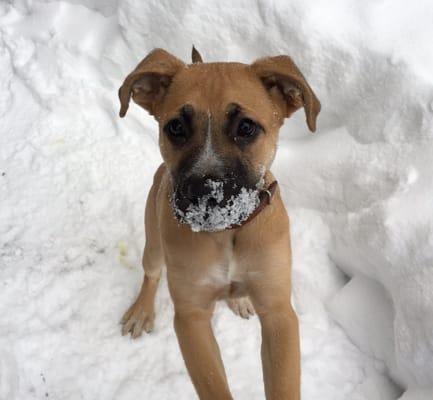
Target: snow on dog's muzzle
point(212, 205)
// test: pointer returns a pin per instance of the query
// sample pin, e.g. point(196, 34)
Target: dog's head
point(218, 122)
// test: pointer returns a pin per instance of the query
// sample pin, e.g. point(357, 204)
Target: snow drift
point(74, 178)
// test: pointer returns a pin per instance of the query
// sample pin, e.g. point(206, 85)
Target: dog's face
point(218, 122)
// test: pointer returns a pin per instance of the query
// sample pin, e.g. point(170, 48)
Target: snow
point(213, 214)
point(74, 179)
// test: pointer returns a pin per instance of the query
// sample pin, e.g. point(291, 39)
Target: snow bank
point(74, 180)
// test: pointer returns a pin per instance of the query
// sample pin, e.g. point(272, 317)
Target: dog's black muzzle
point(216, 191)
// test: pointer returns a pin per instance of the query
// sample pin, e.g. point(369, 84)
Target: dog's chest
point(226, 276)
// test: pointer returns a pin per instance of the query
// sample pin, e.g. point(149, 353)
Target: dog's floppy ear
point(287, 87)
point(148, 82)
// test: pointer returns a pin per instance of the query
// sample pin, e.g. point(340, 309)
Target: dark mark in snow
point(43, 380)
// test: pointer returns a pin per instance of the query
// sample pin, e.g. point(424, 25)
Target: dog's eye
point(176, 131)
point(175, 128)
point(247, 128)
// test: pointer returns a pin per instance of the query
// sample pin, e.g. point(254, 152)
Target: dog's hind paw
point(136, 320)
point(241, 306)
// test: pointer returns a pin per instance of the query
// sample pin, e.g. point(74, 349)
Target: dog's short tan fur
point(250, 264)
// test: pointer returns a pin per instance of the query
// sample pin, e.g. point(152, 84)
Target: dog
point(218, 127)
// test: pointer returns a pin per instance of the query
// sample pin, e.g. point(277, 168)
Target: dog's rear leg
point(241, 306)
point(141, 315)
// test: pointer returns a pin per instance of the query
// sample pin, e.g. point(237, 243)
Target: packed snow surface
point(213, 214)
point(74, 179)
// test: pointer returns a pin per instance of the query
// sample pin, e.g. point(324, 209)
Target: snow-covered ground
point(74, 179)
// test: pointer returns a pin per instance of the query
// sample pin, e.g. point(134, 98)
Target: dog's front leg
point(269, 289)
point(201, 354)
point(280, 354)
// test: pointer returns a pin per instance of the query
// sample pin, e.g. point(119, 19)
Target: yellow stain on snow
point(122, 248)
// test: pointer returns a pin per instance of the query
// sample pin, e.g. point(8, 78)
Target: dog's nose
point(196, 187)
point(213, 190)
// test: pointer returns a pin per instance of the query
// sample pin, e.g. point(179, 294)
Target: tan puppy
point(219, 124)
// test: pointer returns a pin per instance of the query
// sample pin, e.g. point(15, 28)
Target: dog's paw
point(136, 320)
point(241, 306)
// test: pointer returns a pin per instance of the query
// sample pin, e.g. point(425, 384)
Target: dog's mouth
point(218, 206)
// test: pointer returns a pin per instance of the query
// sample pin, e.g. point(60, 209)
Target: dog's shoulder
point(159, 174)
